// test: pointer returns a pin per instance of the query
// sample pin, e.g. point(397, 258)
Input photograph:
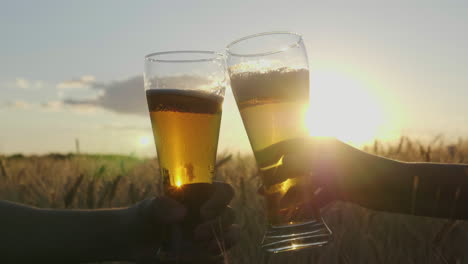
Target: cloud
point(22, 83)
point(126, 127)
point(80, 106)
point(86, 109)
point(53, 106)
point(18, 104)
point(73, 102)
point(82, 82)
point(56, 106)
point(126, 96)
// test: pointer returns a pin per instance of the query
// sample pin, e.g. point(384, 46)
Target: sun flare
point(345, 108)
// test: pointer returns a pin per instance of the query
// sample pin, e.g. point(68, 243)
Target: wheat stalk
point(70, 195)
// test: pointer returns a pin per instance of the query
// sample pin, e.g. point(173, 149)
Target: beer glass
point(270, 81)
point(185, 91)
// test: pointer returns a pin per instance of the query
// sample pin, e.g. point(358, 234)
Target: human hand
point(152, 216)
point(326, 166)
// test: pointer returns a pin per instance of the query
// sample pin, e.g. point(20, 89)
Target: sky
point(378, 70)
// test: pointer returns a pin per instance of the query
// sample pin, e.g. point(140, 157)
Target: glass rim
point(293, 45)
point(153, 57)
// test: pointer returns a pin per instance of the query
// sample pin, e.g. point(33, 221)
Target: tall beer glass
point(270, 81)
point(185, 91)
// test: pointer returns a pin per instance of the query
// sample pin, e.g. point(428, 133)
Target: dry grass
point(360, 235)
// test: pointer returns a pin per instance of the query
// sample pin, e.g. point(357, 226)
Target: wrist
point(98, 235)
point(126, 234)
point(115, 239)
point(374, 181)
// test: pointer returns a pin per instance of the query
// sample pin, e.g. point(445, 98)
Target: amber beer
point(272, 105)
point(186, 127)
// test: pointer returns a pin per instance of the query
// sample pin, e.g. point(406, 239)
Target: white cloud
point(23, 83)
point(56, 106)
point(84, 109)
point(83, 82)
point(80, 107)
point(53, 106)
point(88, 78)
point(18, 104)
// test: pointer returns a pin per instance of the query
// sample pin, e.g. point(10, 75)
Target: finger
point(292, 164)
point(226, 241)
point(165, 210)
point(299, 157)
point(221, 197)
point(207, 230)
point(273, 153)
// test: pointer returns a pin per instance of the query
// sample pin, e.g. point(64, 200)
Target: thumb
point(165, 210)
point(288, 165)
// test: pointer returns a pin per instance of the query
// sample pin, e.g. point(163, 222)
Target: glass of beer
point(185, 92)
point(269, 76)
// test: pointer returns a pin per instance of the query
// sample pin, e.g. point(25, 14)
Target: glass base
point(296, 236)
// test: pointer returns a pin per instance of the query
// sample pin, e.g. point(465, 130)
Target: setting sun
point(345, 108)
point(144, 141)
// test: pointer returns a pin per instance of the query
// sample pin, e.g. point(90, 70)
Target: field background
point(360, 235)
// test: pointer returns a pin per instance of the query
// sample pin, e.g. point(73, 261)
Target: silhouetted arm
point(424, 189)
point(64, 236)
point(33, 235)
point(346, 173)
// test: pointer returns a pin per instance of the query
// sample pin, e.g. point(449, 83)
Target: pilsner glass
point(270, 80)
point(185, 91)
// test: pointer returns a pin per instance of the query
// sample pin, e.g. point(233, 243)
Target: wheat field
point(359, 235)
